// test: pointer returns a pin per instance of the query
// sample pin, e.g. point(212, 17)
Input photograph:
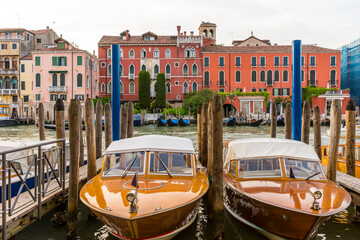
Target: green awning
point(58, 71)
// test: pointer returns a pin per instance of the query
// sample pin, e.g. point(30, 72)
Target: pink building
point(65, 72)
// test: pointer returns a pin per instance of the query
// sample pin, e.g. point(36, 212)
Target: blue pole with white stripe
point(296, 90)
point(115, 95)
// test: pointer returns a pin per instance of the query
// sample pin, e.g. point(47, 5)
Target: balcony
point(168, 76)
point(154, 76)
point(12, 37)
point(8, 91)
point(8, 71)
point(333, 83)
point(131, 76)
point(313, 83)
point(269, 83)
point(57, 89)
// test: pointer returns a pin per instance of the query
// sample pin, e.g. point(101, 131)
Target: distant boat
point(5, 120)
point(137, 120)
point(251, 123)
point(230, 122)
point(160, 122)
point(325, 122)
point(172, 122)
point(184, 122)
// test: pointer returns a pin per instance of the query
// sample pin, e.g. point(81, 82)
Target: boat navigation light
point(131, 197)
point(317, 195)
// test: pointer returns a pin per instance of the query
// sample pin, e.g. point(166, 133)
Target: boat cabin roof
point(269, 147)
point(158, 143)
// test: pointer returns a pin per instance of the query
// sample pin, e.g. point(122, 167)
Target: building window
point(262, 62)
point(79, 60)
point(14, 46)
point(269, 78)
point(131, 54)
point(262, 76)
point(253, 76)
point(59, 61)
point(53, 97)
point(61, 45)
point(176, 64)
point(168, 53)
point(37, 80)
point(185, 69)
point(285, 61)
point(312, 77)
point(109, 53)
point(63, 97)
point(221, 79)
point(37, 97)
point(22, 85)
point(312, 61)
point(121, 87)
point(168, 69)
point(237, 76)
point(143, 67)
point(286, 91)
point(206, 62)
point(79, 82)
point(3, 46)
point(156, 53)
point(22, 67)
point(109, 87)
point(79, 96)
point(253, 61)
point(143, 53)
point(121, 70)
point(206, 79)
point(26, 98)
point(333, 77)
point(221, 90)
point(103, 87)
point(132, 87)
point(54, 80)
point(333, 61)
point(276, 76)
point(285, 76)
point(253, 90)
point(302, 61)
point(187, 52)
point(168, 87)
point(62, 80)
point(185, 87)
point(103, 64)
point(38, 40)
point(221, 62)
point(192, 53)
point(121, 53)
point(237, 61)
point(109, 70)
point(37, 61)
point(131, 69)
point(276, 92)
point(277, 62)
point(194, 69)
point(194, 86)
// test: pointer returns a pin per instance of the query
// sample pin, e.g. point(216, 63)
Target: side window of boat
point(176, 163)
point(304, 169)
point(116, 164)
point(232, 168)
point(259, 168)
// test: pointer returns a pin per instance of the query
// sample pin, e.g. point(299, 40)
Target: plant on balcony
point(308, 92)
point(144, 89)
point(236, 92)
point(160, 101)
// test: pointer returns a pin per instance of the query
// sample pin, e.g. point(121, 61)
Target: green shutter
point(61, 45)
point(65, 61)
point(37, 61)
point(54, 61)
point(79, 60)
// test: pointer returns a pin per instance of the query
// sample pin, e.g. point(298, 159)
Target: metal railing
point(57, 89)
point(168, 75)
point(8, 71)
point(8, 91)
point(40, 170)
point(333, 82)
point(313, 83)
point(12, 37)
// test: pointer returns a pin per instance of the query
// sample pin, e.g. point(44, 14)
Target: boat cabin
point(4, 111)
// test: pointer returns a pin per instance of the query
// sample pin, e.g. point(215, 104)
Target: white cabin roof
point(269, 147)
point(151, 143)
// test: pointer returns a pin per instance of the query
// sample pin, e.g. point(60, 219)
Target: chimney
point(181, 34)
point(47, 27)
point(94, 52)
point(127, 35)
point(275, 44)
point(178, 30)
point(192, 33)
point(185, 33)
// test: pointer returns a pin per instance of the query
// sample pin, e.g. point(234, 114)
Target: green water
point(340, 226)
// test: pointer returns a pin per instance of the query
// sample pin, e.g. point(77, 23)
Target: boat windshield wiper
point(167, 170)
point(313, 175)
point(128, 167)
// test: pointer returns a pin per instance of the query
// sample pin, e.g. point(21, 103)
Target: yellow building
point(26, 86)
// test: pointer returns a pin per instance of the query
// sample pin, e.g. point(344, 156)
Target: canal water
point(340, 226)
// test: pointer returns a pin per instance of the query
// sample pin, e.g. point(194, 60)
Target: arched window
point(7, 63)
point(333, 77)
point(54, 79)
point(253, 76)
point(302, 75)
point(131, 54)
point(211, 33)
point(1, 83)
point(103, 87)
point(143, 53)
point(276, 76)
point(168, 53)
point(237, 76)
point(286, 76)
point(109, 88)
point(168, 69)
point(221, 79)
point(269, 78)
point(168, 87)
point(62, 80)
point(262, 76)
point(79, 82)
point(109, 53)
point(312, 78)
point(121, 70)
point(194, 69)
point(14, 83)
point(156, 69)
point(143, 67)
point(131, 69)
point(7, 83)
point(205, 33)
point(185, 87)
point(185, 69)
point(206, 79)
point(37, 80)
point(192, 52)
point(187, 52)
point(109, 70)
point(121, 53)
point(194, 86)
point(156, 53)
point(121, 87)
point(132, 87)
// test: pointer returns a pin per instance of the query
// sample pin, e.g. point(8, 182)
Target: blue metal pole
point(115, 95)
point(296, 90)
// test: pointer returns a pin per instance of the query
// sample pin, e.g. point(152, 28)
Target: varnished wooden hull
point(272, 221)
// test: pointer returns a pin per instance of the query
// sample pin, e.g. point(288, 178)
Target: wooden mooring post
point(305, 135)
point(108, 129)
point(82, 145)
point(199, 131)
point(350, 138)
point(74, 136)
point(90, 139)
point(288, 114)
point(130, 123)
point(98, 128)
point(335, 125)
point(209, 159)
point(273, 121)
point(41, 122)
point(204, 129)
point(60, 134)
point(317, 131)
point(123, 122)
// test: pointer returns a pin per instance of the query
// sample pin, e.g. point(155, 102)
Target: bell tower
point(208, 31)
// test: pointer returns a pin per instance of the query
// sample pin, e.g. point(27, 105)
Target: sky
point(327, 23)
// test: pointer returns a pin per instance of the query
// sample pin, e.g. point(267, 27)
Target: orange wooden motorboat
point(259, 191)
point(170, 182)
point(341, 162)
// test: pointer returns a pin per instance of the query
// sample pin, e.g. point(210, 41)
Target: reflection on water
point(339, 226)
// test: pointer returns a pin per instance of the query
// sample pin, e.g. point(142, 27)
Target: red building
point(178, 56)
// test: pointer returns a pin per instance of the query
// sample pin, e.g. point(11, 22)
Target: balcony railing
point(168, 75)
point(154, 76)
point(8, 91)
point(131, 76)
point(57, 89)
point(333, 82)
point(313, 83)
point(269, 83)
point(12, 37)
point(8, 71)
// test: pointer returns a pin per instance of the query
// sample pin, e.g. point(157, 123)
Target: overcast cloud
point(330, 23)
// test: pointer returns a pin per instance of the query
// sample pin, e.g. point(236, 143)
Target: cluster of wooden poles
point(210, 145)
point(93, 131)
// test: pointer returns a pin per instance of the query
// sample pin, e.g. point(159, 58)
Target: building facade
point(63, 72)
point(26, 86)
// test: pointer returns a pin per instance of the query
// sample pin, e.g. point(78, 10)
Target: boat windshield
point(166, 163)
point(259, 168)
point(304, 169)
point(121, 164)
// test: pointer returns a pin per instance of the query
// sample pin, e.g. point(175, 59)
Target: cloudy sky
point(328, 23)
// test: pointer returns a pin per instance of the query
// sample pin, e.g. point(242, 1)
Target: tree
point(195, 99)
point(160, 101)
point(144, 89)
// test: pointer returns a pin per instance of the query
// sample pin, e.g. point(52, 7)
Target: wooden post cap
point(59, 105)
point(350, 106)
